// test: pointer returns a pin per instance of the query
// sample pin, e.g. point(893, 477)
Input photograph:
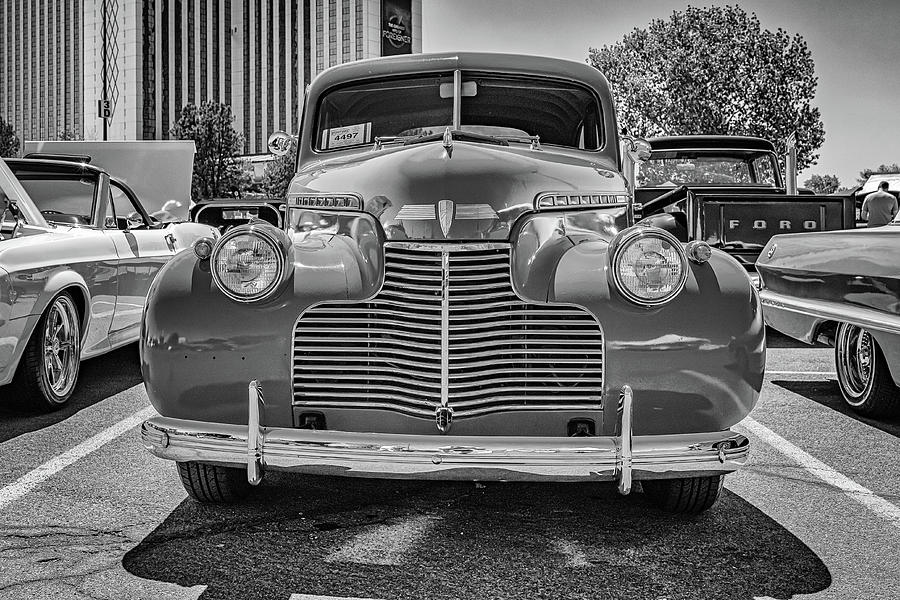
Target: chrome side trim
point(625, 457)
point(866, 318)
point(463, 458)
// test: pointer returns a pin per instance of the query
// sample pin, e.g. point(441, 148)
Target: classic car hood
point(475, 191)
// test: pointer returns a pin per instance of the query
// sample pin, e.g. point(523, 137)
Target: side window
point(765, 172)
point(126, 212)
point(109, 219)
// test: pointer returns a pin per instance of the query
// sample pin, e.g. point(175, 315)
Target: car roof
point(703, 142)
point(450, 61)
point(44, 165)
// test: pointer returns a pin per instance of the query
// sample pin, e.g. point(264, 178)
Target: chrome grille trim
point(447, 328)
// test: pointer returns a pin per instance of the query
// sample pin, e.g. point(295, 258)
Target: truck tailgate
point(743, 224)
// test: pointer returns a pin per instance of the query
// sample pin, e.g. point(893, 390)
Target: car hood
point(470, 192)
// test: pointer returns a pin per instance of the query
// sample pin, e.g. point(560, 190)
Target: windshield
point(708, 167)
point(508, 108)
point(65, 199)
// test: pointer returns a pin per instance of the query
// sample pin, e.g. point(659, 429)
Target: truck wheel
point(863, 375)
point(690, 495)
point(48, 370)
point(213, 484)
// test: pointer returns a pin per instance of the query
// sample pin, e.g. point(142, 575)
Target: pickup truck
point(728, 191)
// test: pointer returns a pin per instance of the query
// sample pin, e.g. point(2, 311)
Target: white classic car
point(77, 255)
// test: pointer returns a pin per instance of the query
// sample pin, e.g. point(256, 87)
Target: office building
point(255, 55)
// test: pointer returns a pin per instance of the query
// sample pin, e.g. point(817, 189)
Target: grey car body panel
point(108, 272)
point(851, 274)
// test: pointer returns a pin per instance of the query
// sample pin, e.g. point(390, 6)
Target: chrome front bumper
point(486, 458)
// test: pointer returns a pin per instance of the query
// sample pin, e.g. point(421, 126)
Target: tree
point(9, 141)
point(863, 175)
point(217, 172)
point(278, 174)
point(715, 70)
point(67, 135)
point(823, 184)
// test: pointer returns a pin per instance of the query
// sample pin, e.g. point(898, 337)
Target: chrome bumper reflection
point(498, 458)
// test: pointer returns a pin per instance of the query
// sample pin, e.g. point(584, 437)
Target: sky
point(855, 46)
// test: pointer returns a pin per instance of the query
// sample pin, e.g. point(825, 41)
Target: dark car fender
point(695, 364)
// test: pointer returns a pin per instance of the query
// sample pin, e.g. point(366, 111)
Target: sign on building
point(396, 27)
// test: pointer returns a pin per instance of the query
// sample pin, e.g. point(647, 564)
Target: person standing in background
point(879, 207)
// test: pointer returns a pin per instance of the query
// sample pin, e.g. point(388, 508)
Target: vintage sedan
point(77, 255)
point(457, 293)
point(842, 288)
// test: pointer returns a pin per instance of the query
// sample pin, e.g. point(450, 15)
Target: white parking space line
point(308, 597)
point(574, 555)
point(804, 373)
point(385, 544)
point(30, 480)
point(829, 475)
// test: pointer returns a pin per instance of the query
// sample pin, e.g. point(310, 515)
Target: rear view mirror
point(639, 150)
point(469, 89)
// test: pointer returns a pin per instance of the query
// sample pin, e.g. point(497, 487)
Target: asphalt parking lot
point(85, 512)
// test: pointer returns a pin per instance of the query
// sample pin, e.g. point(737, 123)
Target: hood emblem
point(448, 142)
point(771, 251)
point(445, 214)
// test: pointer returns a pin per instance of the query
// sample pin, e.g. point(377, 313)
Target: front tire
point(863, 376)
point(212, 484)
point(690, 495)
point(48, 370)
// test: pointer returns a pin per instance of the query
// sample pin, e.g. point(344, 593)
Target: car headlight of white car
point(649, 265)
point(250, 263)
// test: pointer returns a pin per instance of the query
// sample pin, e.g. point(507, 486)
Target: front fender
point(199, 349)
point(695, 364)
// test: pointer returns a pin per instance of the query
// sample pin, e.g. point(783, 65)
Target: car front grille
point(447, 329)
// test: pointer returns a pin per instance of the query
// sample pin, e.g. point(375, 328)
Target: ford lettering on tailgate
point(749, 223)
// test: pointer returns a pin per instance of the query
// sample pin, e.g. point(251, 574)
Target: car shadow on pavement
point(99, 379)
point(827, 393)
point(776, 339)
point(512, 540)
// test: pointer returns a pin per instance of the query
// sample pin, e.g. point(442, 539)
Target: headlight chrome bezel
point(623, 241)
point(270, 235)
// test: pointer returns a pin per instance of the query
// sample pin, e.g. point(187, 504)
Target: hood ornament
point(443, 416)
point(445, 215)
point(448, 142)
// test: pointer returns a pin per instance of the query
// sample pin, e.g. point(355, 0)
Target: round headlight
point(649, 265)
point(248, 264)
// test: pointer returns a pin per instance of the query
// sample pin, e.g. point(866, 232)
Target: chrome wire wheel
point(864, 375)
point(61, 347)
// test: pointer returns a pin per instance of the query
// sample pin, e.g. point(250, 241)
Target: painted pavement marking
point(784, 373)
point(30, 480)
point(308, 597)
point(826, 473)
point(574, 555)
point(384, 544)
